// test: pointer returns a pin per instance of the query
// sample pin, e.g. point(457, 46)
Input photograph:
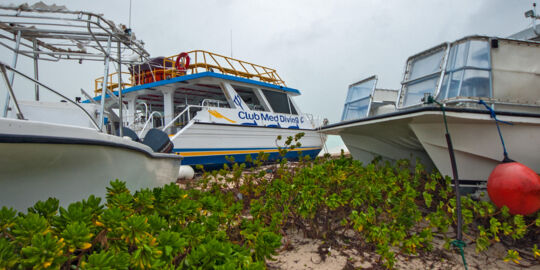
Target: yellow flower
point(86, 245)
point(47, 264)
point(185, 196)
point(99, 224)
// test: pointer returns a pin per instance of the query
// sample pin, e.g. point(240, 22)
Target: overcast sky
point(318, 47)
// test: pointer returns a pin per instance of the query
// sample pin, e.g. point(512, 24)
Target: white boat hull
point(421, 134)
point(207, 143)
point(71, 163)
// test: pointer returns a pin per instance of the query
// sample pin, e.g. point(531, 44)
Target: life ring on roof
point(182, 62)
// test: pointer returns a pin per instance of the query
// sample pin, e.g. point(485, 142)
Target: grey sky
point(318, 47)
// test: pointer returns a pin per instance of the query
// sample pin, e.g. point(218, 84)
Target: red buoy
point(516, 186)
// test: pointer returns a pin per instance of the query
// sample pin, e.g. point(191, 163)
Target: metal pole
point(104, 87)
point(120, 90)
point(10, 91)
point(36, 71)
point(14, 65)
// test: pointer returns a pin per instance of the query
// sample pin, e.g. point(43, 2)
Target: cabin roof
point(291, 91)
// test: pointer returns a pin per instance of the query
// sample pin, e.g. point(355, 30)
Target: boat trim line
point(16, 138)
point(247, 126)
point(428, 109)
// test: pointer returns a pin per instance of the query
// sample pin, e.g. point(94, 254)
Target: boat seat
point(127, 132)
point(158, 140)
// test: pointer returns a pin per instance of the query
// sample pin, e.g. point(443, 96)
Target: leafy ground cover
point(240, 216)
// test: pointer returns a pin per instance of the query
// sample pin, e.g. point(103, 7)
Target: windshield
point(358, 99)
point(422, 76)
point(468, 71)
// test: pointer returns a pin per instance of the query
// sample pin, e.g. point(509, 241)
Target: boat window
point(453, 88)
point(415, 91)
point(422, 76)
point(358, 98)
point(355, 110)
point(478, 54)
point(426, 65)
point(249, 97)
point(468, 71)
point(457, 56)
point(475, 83)
point(293, 109)
point(278, 101)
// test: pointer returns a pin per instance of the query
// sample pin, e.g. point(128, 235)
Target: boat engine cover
point(158, 140)
point(127, 132)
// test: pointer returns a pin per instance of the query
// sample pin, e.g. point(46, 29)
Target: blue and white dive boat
point(63, 148)
point(392, 124)
point(213, 106)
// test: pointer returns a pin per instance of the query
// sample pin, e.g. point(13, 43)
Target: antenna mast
point(129, 15)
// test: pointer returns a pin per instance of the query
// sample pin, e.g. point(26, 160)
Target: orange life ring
point(182, 65)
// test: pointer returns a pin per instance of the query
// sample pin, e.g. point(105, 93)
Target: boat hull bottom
point(217, 161)
point(421, 134)
point(72, 172)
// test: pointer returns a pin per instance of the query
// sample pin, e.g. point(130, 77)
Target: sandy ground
point(304, 253)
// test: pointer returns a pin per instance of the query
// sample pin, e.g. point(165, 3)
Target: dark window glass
point(249, 97)
point(293, 109)
point(278, 101)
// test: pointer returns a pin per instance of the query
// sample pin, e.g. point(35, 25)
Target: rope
point(457, 242)
point(460, 245)
point(494, 116)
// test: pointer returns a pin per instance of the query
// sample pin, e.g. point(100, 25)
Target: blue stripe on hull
point(216, 160)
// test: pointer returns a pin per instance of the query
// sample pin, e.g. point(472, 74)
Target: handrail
point(50, 89)
point(209, 62)
point(208, 100)
point(111, 83)
point(487, 100)
point(187, 109)
point(151, 118)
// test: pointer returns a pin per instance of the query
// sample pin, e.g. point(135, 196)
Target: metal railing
point(151, 119)
point(112, 83)
point(4, 67)
point(203, 61)
point(186, 111)
point(208, 102)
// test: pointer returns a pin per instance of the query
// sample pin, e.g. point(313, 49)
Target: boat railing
point(202, 61)
point(151, 120)
point(209, 102)
point(112, 82)
point(488, 101)
point(4, 67)
point(186, 112)
point(317, 122)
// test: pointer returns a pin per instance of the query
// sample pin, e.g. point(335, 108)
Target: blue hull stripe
point(220, 159)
